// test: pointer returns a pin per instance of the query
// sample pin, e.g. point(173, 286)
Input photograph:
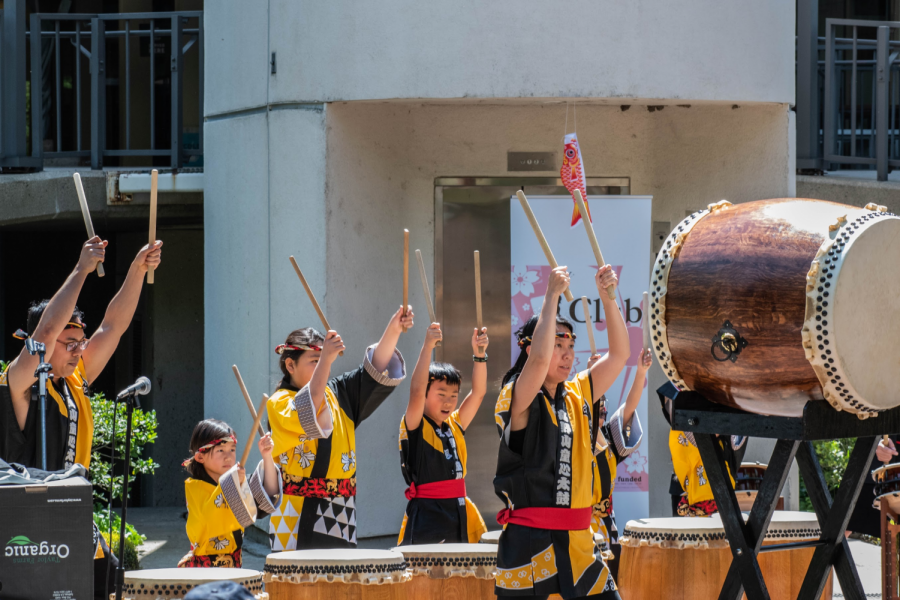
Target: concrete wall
point(265, 201)
point(359, 50)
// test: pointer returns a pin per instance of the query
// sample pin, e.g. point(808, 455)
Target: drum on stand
point(685, 558)
point(349, 574)
point(767, 305)
point(887, 486)
point(491, 537)
point(172, 584)
point(458, 571)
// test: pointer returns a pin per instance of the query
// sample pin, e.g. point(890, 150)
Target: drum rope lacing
point(817, 336)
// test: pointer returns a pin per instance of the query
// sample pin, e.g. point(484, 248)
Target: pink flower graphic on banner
point(523, 281)
point(636, 463)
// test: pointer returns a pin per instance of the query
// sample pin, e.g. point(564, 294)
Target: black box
point(46, 541)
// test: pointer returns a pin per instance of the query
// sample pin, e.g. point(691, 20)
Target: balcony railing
point(113, 88)
point(852, 113)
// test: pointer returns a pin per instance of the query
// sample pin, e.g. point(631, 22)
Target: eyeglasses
point(80, 344)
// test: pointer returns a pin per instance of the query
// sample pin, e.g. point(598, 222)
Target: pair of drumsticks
point(86, 213)
point(589, 228)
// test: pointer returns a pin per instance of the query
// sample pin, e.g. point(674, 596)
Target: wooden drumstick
point(589, 228)
point(540, 237)
point(154, 174)
point(257, 417)
point(478, 316)
point(247, 399)
point(312, 298)
point(87, 216)
point(405, 273)
point(589, 324)
point(428, 303)
point(647, 321)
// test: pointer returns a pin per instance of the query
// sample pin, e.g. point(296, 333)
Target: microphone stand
point(42, 373)
point(131, 402)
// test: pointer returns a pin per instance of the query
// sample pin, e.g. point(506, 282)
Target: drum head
point(491, 537)
point(196, 576)
point(337, 565)
point(865, 323)
point(886, 472)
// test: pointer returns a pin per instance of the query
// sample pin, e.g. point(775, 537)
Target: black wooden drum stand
point(690, 411)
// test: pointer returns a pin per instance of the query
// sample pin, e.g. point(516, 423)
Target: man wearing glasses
point(76, 361)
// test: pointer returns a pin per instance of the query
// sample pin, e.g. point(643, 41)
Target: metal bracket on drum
point(729, 342)
point(689, 411)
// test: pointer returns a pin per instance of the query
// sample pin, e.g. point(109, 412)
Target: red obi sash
point(560, 519)
point(439, 490)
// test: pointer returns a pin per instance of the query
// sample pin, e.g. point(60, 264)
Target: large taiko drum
point(350, 574)
point(767, 305)
point(686, 558)
point(458, 571)
point(173, 584)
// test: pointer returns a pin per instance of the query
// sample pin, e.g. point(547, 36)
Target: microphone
point(141, 387)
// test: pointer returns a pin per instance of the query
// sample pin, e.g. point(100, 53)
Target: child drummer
point(215, 528)
point(313, 419)
point(546, 461)
point(433, 447)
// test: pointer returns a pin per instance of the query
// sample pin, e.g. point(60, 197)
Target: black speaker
point(46, 541)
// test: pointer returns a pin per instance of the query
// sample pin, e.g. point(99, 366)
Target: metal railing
point(860, 96)
point(65, 48)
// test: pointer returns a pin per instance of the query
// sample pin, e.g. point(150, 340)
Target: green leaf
point(20, 540)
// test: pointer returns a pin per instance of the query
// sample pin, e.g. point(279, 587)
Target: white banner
point(622, 225)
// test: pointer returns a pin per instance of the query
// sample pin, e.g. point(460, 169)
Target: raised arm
point(472, 401)
point(637, 387)
point(120, 312)
point(381, 357)
point(540, 352)
point(331, 347)
point(54, 319)
point(605, 370)
point(419, 382)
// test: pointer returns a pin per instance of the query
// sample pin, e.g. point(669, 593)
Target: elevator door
point(472, 213)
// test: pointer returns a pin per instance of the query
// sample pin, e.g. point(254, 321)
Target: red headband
point(206, 448)
point(281, 348)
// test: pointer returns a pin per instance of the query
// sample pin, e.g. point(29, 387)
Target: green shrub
point(833, 456)
point(143, 433)
point(131, 554)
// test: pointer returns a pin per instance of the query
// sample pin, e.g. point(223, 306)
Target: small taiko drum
point(887, 486)
point(690, 557)
point(491, 537)
point(767, 305)
point(172, 584)
point(349, 574)
point(458, 571)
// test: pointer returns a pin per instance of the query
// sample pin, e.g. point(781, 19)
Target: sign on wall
point(622, 225)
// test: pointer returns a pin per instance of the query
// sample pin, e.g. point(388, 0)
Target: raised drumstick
point(257, 417)
point(247, 399)
point(589, 324)
point(428, 302)
point(589, 228)
point(647, 317)
point(540, 237)
point(405, 272)
point(312, 297)
point(87, 216)
point(478, 316)
point(154, 174)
